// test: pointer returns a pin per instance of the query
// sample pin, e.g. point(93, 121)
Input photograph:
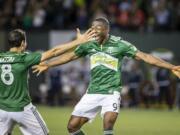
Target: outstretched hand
point(85, 37)
point(176, 71)
point(38, 69)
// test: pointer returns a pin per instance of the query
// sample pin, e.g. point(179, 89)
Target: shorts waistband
point(116, 92)
point(29, 106)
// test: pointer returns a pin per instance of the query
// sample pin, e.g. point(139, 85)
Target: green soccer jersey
point(106, 61)
point(14, 68)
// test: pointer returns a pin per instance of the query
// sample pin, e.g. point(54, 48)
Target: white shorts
point(29, 121)
point(91, 104)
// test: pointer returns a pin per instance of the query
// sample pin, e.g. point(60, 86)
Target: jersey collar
point(106, 42)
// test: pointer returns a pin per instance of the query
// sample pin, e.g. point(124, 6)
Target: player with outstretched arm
point(103, 94)
point(15, 102)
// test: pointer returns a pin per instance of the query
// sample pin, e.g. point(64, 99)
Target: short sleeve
point(129, 49)
point(32, 59)
point(81, 50)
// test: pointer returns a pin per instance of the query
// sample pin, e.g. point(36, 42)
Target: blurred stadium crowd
point(143, 15)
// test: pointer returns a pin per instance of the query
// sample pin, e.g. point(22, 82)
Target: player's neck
point(16, 50)
point(102, 40)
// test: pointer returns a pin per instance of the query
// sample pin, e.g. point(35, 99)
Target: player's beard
point(98, 39)
point(101, 38)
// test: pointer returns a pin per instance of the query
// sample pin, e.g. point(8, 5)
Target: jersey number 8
point(7, 76)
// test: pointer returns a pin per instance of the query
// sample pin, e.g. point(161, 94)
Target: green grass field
point(130, 122)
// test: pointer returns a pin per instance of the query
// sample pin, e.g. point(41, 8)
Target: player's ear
point(23, 45)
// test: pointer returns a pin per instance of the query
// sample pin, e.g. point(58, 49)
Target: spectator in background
point(150, 22)
point(111, 14)
point(99, 12)
point(178, 94)
point(163, 80)
point(78, 75)
point(82, 18)
point(39, 15)
point(55, 96)
point(19, 11)
point(70, 12)
point(178, 15)
point(7, 14)
point(137, 18)
point(55, 16)
point(28, 19)
point(148, 93)
point(135, 80)
point(162, 16)
point(20, 6)
point(123, 17)
point(66, 14)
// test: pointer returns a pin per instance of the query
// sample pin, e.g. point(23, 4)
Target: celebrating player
point(15, 102)
point(103, 94)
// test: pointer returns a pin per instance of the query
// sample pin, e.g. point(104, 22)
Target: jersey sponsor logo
point(7, 59)
point(105, 60)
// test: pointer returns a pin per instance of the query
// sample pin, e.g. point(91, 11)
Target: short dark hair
point(16, 37)
point(103, 20)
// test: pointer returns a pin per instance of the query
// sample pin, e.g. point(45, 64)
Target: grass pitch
point(130, 122)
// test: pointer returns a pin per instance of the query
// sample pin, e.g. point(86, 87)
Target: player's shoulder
point(32, 55)
point(22, 55)
point(4, 53)
point(114, 39)
point(86, 45)
point(91, 42)
point(28, 53)
point(119, 40)
point(12, 54)
point(125, 42)
point(1, 53)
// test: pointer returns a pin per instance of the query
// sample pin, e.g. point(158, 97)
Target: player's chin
point(97, 38)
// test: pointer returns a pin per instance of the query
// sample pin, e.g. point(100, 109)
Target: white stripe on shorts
point(44, 128)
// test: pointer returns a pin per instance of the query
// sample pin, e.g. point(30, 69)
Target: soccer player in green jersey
point(106, 53)
point(15, 102)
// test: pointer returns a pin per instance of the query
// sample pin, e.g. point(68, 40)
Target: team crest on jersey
point(105, 60)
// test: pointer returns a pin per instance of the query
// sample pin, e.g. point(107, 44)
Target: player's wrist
point(46, 64)
point(175, 68)
point(78, 41)
point(172, 67)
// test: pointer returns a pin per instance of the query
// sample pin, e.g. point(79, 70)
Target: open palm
point(85, 37)
point(39, 68)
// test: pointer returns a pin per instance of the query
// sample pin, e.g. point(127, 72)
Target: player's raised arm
point(64, 58)
point(158, 62)
point(60, 49)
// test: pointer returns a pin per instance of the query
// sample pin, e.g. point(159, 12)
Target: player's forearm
point(58, 62)
point(62, 60)
point(161, 63)
point(60, 49)
point(156, 61)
